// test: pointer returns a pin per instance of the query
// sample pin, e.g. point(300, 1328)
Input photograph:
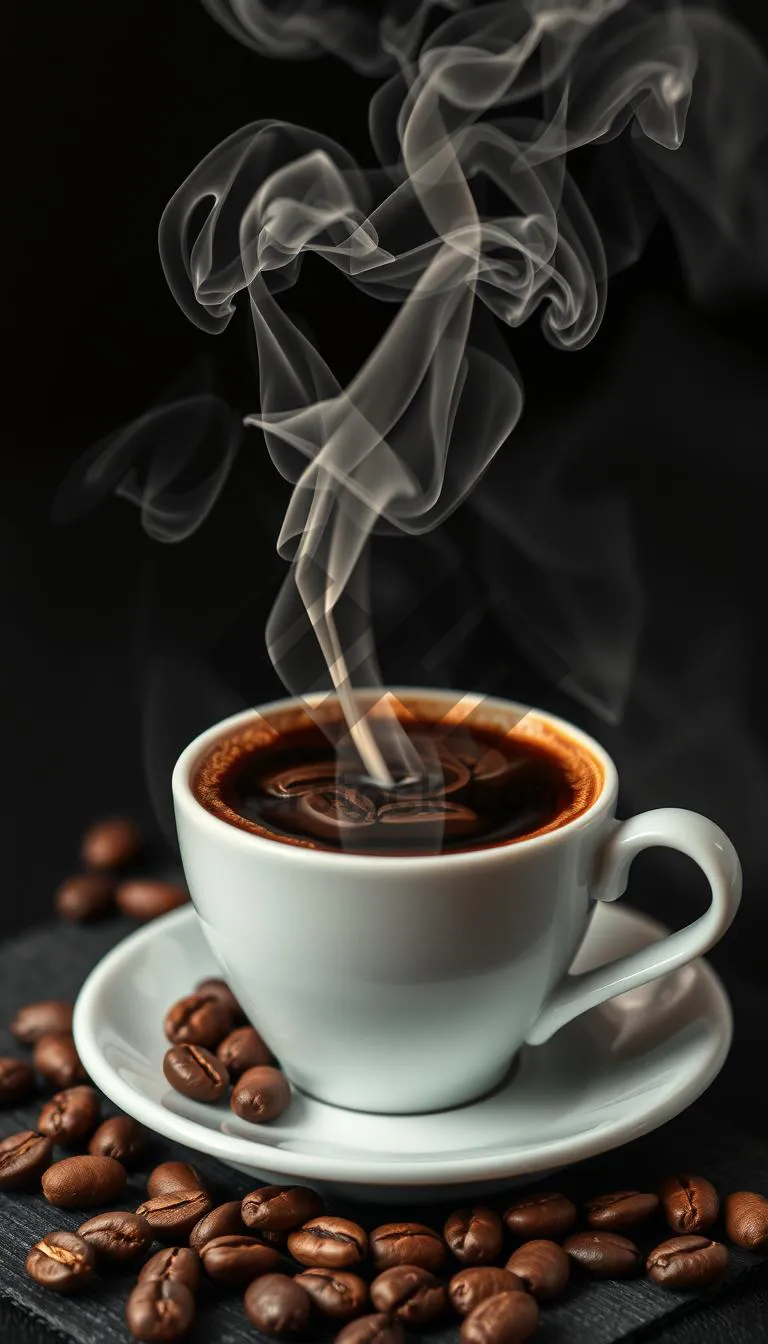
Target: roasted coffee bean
point(110, 844)
point(223, 1221)
point(85, 897)
point(260, 1095)
point(243, 1049)
point(407, 1244)
point(171, 1176)
point(120, 1237)
point(336, 1293)
point(410, 1294)
point(17, 1081)
point(61, 1261)
point(84, 1182)
point(543, 1267)
point(607, 1255)
point(40, 1019)
point(197, 1020)
point(378, 1329)
point(623, 1208)
point(687, 1262)
point(238, 1259)
point(547, 1215)
point(173, 1215)
point(746, 1220)
point(470, 1287)
point(120, 1137)
point(328, 1243)
point(175, 1264)
point(508, 1318)
point(56, 1058)
point(691, 1203)
point(70, 1115)
point(280, 1208)
point(23, 1158)
point(159, 1311)
point(195, 1072)
point(147, 898)
point(475, 1236)
point(219, 989)
point(278, 1305)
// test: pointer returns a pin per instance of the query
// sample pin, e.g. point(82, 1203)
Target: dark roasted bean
point(260, 1095)
point(691, 1203)
point(475, 1236)
point(687, 1262)
point(120, 1137)
point(173, 1215)
point(378, 1329)
point(470, 1287)
point(410, 1294)
point(543, 1267)
point(110, 844)
point(70, 1116)
point(159, 1311)
point(84, 1182)
point(336, 1293)
point(56, 1058)
point(17, 1081)
point(622, 1208)
point(85, 897)
point(407, 1244)
point(243, 1049)
point(280, 1208)
point(23, 1158)
point(508, 1318)
point(223, 1221)
point(197, 1020)
point(171, 1176)
point(607, 1255)
point(195, 1072)
point(121, 1237)
point(176, 1264)
point(219, 989)
point(41, 1019)
point(746, 1220)
point(278, 1305)
point(548, 1215)
point(238, 1259)
point(61, 1261)
point(146, 898)
point(328, 1243)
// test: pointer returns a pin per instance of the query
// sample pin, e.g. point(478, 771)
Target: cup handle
point(675, 828)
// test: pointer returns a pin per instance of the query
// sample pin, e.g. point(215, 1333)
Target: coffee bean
point(159, 1311)
point(85, 897)
point(171, 1176)
point(223, 1221)
point(278, 1305)
point(70, 1115)
point(197, 1020)
point(39, 1019)
point(17, 1081)
point(410, 1294)
point(378, 1329)
point(195, 1072)
point(121, 1237)
point(623, 1208)
point(148, 898)
point(687, 1262)
point(238, 1259)
point(475, 1236)
point(61, 1261)
point(56, 1058)
point(407, 1244)
point(110, 844)
point(470, 1287)
point(508, 1318)
point(84, 1182)
point(23, 1158)
point(243, 1049)
point(175, 1264)
point(173, 1215)
point(260, 1095)
point(335, 1293)
point(120, 1137)
point(543, 1268)
point(548, 1215)
point(328, 1243)
point(607, 1255)
point(280, 1208)
point(691, 1203)
point(746, 1220)
point(219, 989)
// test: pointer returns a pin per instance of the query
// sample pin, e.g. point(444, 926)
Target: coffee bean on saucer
point(691, 1203)
point(223, 1221)
point(687, 1262)
point(159, 1311)
point(410, 1294)
point(261, 1095)
point(23, 1158)
point(746, 1220)
point(243, 1049)
point(148, 898)
point(280, 1208)
point(623, 1208)
point(85, 897)
point(170, 1176)
point(120, 1137)
point(17, 1081)
point(84, 1182)
point(377, 1329)
point(197, 1020)
point(173, 1215)
point(119, 1237)
point(607, 1255)
point(39, 1019)
point(470, 1287)
point(70, 1115)
point(546, 1215)
point(175, 1264)
point(56, 1058)
point(543, 1268)
point(219, 989)
point(238, 1259)
point(508, 1318)
point(407, 1244)
point(475, 1236)
point(61, 1261)
point(110, 844)
point(195, 1072)
point(336, 1293)
point(278, 1305)
point(328, 1243)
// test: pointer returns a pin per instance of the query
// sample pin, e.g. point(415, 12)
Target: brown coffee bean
point(470, 1287)
point(278, 1305)
point(110, 844)
point(543, 1267)
point(378, 1329)
point(56, 1058)
point(84, 1182)
point(85, 897)
point(691, 1203)
point(61, 1261)
point(173, 1215)
point(260, 1095)
point(70, 1115)
point(23, 1158)
point(197, 1020)
point(336, 1293)
point(40, 1019)
point(238, 1259)
point(475, 1236)
point(120, 1237)
point(195, 1072)
point(280, 1208)
point(120, 1137)
point(148, 898)
point(17, 1081)
point(328, 1243)
point(687, 1262)
point(223, 1221)
point(243, 1049)
point(171, 1176)
point(175, 1264)
point(410, 1294)
point(547, 1215)
point(623, 1208)
point(219, 989)
point(746, 1220)
point(607, 1255)
point(407, 1244)
point(508, 1318)
point(159, 1311)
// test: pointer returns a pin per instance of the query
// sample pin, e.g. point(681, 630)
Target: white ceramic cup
point(407, 984)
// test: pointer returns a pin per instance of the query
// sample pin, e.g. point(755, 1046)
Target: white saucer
point(614, 1074)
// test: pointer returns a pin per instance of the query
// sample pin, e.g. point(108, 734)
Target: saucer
point(615, 1073)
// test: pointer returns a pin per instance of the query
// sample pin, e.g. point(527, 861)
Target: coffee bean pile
point(96, 891)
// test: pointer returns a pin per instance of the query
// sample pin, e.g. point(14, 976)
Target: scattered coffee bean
point(17, 1081)
point(40, 1019)
point(147, 898)
point(84, 1182)
point(172, 1176)
point(507, 1318)
point(120, 1237)
point(407, 1244)
point(691, 1203)
point(543, 1268)
point(475, 1236)
point(56, 1058)
point(238, 1259)
point(120, 1137)
point(195, 1072)
point(328, 1243)
point(175, 1264)
point(470, 1287)
point(546, 1215)
point(110, 844)
point(410, 1294)
point(278, 1305)
point(746, 1220)
point(197, 1020)
point(219, 989)
point(173, 1215)
point(159, 1311)
point(378, 1329)
point(23, 1158)
point(623, 1208)
point(280, 1208)
point(61, 1261)
point(70, 1115)
point(85, 897)
point(223, 1221)
point(607, 1255)
point(243, 1049)
point(336, 1293)
point(260, 1095)
point(687, 1262)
